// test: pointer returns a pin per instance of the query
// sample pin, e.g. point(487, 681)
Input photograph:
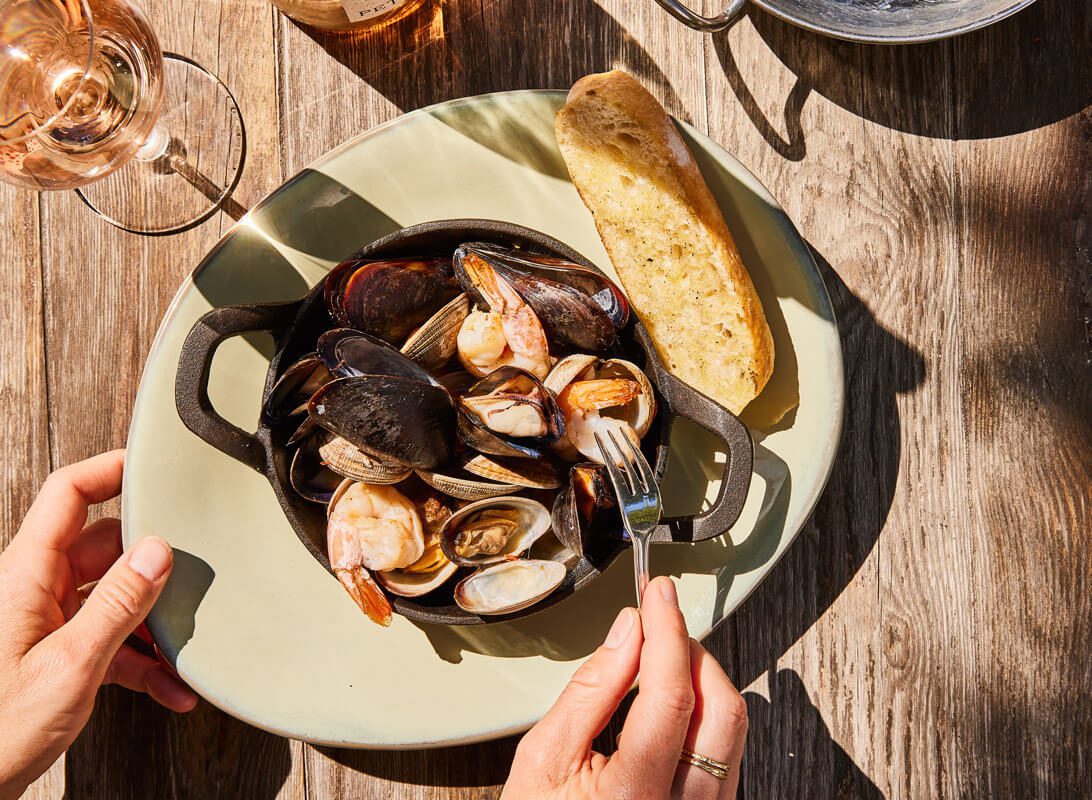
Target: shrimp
point(372, 528)
point(508, 334)
point(581, 402)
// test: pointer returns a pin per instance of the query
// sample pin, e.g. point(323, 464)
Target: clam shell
point(410, 584)
point(533, 520)
point(350, 461)
point(434, 343)
point(525, 472)
point(644, 407)
point(508, 586)
point(567, 370)
point(466, 488)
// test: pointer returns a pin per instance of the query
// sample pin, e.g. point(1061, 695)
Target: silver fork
point(638, 497)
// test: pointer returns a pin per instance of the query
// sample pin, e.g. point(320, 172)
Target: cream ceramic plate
point(259, 629)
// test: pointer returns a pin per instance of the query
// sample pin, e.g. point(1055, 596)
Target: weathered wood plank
point(105, 292)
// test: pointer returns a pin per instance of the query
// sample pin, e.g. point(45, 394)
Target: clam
point(508, 586)
point(493, 530)
point(388, 298)
point(288, 398)
point(465, 486)
point(522, 472)
point(434, 343)
point(600, 396)
point(344, 458)
point(579, 309)
point(393, 419)
point(584, 507)
point(509, 413)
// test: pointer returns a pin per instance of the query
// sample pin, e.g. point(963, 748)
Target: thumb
point(119, 602)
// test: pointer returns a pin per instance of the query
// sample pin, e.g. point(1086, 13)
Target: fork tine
point(648, 478)
point(617, 477)
point(633, 472)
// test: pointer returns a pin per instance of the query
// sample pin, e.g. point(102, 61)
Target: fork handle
point(640, 565)
point(736, 481)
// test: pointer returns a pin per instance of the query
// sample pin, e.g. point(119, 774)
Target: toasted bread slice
point(666, 238)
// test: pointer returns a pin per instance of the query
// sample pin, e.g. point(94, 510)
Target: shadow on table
point(456, 49)
point(133, 748)
point(473, 765)
point(1025, 72)
point(789, 746)
point(848, 519)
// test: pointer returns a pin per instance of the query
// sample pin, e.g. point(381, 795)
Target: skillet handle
point(693, 405)
point(698, 22)
point(191, 383)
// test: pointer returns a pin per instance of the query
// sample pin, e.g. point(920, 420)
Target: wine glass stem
point(640, 565)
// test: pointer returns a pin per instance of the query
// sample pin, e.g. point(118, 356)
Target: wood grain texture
point(926, 636)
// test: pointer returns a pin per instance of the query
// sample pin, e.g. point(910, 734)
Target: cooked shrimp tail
point(366, 593)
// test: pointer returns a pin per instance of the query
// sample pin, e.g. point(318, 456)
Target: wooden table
point(928, 633)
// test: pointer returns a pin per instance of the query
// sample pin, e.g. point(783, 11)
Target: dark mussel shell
point(388, 299)
point(309, 476)
point(586, 506)
point(349, 353)
point(476, 435)
point(393, 418)
point(288, 398)
point(579, 309)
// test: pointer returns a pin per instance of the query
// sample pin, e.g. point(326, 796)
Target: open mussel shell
point(349, 353)
point(388, 298)
point(393, 419)
point(573, 318)
point(493, 530)
point(288, 398)
point(508, 586)
point(434, 343)
point(497, 409)
point(584, 507)
point(309, 476)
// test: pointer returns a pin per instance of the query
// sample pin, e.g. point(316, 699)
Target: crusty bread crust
point(666, 237)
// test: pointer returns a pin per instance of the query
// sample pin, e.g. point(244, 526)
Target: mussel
point(493, 530)
point(388, 298)
point(394, 419)
point(580, 310)
point(508, 586)
point(599, 396)
point(584, 507)
point(509, 413)
point(288, 398)
point(348, 353)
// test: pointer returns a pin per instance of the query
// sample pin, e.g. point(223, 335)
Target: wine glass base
point(194, 161)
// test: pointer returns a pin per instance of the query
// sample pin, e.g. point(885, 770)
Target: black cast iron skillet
point(295, 327)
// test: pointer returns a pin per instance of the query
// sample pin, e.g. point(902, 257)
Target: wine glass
point(151, 142)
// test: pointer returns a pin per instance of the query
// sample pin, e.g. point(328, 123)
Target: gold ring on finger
point(718, 769)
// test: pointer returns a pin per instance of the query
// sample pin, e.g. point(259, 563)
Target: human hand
point(685, 700)
point(54, 654)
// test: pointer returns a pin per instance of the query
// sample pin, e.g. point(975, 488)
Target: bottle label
point(358, 10)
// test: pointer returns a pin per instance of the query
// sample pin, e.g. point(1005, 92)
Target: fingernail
point(150, 558)
point(170, 691)
point(619, 631)
point(667, 589)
